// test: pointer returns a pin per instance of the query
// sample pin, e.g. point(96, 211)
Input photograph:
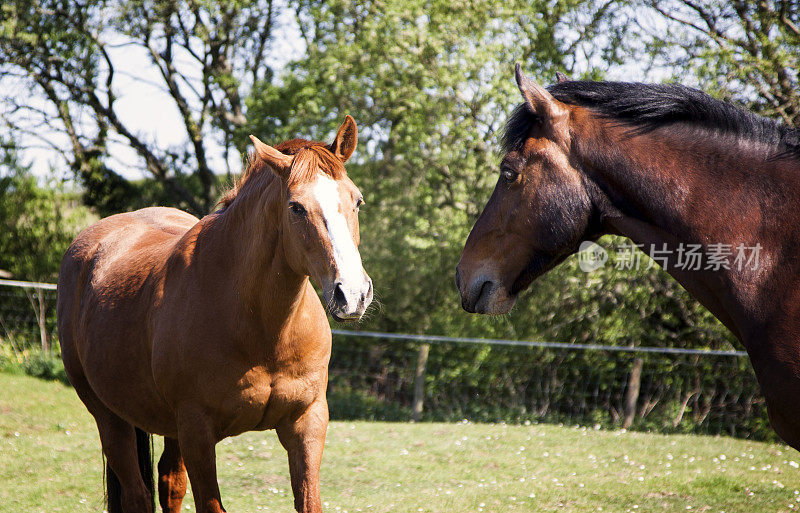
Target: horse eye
point(509, 174)
point(297, 208)
point(359, 203)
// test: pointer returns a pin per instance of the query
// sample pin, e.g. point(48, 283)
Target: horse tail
point(144, 453)
point(113, 489)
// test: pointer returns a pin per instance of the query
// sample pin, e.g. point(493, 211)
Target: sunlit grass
point(50, 461)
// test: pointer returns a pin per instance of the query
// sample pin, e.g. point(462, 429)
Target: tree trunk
point(632, 393)
point(42, 321)
point(419, 381)
point(39, 312)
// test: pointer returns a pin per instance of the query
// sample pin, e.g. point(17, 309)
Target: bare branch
point(784, 18)
point(263, 36)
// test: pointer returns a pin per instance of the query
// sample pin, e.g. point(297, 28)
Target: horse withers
point(670, 168)
point(199, 330)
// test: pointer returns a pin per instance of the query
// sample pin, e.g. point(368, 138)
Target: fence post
point(419, 382)
point(39, 311)
point(632, 392)
point(42, 318)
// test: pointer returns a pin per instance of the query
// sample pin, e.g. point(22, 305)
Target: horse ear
point(278, 161)
point(346, 138)
point(538, 99)
point(561, 77)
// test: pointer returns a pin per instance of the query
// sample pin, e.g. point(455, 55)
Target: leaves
point(36, 223)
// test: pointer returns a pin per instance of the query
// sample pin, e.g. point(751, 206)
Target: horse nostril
point(472, 297)
point(338, 295)
point(458, 279)
point(368, 293)
point(487, 285)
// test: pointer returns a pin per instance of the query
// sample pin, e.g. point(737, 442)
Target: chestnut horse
point(663, 165)
point(198, 330)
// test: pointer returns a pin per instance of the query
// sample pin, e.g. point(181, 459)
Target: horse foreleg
point(196, 440)
point(303, 437)
point(172, 479)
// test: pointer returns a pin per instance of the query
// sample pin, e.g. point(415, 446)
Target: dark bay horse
point(198, 330)
point(666, 166)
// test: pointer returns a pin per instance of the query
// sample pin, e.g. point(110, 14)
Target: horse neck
point(246, 238)
point(671, 187)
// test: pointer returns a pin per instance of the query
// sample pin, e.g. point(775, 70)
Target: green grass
point(50, 461)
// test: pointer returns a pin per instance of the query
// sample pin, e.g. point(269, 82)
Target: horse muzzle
point(347, 301)
point(483, 295)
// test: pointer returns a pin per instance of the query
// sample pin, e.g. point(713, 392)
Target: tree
point(744, 51)
point(65, 53)
point(37, 222)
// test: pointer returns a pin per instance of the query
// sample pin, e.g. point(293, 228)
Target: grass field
point(50, 461)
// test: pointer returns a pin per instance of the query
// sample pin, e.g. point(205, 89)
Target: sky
point(149, 111)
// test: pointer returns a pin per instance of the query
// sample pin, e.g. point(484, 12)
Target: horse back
point(114, 256)
point(110, 277)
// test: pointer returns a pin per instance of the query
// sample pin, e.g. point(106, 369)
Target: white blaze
point(345, 253)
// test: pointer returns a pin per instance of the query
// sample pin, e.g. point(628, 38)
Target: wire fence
point(382, 376)
point(377, 376)
point(27, 316)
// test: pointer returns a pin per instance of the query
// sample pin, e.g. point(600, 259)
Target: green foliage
point(614, 305)
point(45, 366)
point(16, 358)
point(37, 222)
point(347, 403)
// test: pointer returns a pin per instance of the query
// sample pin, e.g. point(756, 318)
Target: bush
point(32, 362)
point(45, 366)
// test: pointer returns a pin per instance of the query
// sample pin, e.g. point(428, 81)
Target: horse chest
point(263, 399)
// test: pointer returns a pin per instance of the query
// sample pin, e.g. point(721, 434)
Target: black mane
point(647, 107)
